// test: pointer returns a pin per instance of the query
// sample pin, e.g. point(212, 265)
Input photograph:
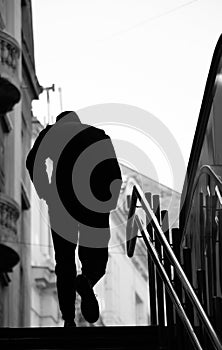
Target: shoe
point(69, 324)
point(89, 303)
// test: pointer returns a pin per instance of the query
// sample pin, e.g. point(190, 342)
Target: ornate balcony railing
point(9, 72)
point(9, 214)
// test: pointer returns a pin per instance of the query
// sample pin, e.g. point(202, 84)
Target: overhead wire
point(151, 19)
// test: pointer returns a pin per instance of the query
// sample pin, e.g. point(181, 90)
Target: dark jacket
point(86, 173)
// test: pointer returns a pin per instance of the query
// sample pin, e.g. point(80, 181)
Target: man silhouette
point(84, 188)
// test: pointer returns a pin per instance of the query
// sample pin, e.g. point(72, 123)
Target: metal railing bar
point(208, 169)
point(185, 282)
point(218, 194)
point(161, 270)
point(208, 191)
point(205, 169)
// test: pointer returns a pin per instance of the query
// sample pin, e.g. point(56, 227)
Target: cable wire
point(151, 19)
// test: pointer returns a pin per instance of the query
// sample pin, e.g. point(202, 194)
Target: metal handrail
point(168, 284)
point(138, 194)
point(205, 169)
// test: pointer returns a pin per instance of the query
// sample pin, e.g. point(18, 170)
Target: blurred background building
point(18, 87)
point(44, 303)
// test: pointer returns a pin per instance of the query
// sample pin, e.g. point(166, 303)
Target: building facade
point(44, 303)
point(18, 87)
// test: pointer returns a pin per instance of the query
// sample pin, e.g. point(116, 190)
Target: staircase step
point(84, 338)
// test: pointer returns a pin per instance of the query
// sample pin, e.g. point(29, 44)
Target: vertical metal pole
point(48, 105)
point(60, 98)
point(48, 100)
point(188, 272)
point(156, 209)
point(208, 257)
point(151, 272)
point(179, 330)
point(167, 265)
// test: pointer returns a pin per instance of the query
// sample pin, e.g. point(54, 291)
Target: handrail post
point(167, 265)
point(151, 272)
point(131, 241)
point(176, 238)
point(160, 300)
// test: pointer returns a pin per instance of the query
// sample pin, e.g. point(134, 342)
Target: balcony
point(9, 214)
point(9, 72)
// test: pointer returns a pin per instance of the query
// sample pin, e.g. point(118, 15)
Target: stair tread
point(93, 338)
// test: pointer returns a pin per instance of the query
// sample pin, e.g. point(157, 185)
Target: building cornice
point(30, 70)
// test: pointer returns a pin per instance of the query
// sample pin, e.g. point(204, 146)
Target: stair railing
point(131, 233)
point(202, 233)
point(204, 170)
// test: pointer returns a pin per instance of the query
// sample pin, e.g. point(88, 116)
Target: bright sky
point(151, 54)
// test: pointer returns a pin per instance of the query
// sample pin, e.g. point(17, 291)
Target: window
point(2, 162)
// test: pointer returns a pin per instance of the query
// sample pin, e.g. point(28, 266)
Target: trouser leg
point(93, 250)
point(65, 270)
point(94, 262)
